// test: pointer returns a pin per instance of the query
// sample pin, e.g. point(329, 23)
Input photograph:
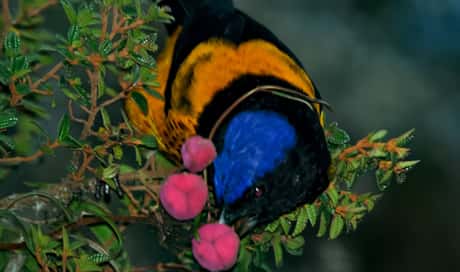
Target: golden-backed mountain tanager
point(226, 77)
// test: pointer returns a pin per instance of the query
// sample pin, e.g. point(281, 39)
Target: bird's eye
point(259, 191)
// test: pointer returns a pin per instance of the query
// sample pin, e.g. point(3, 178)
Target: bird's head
point(268, 164)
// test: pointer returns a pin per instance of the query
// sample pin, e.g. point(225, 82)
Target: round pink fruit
point(197, 153)
point(184, 195)
point(217, 247)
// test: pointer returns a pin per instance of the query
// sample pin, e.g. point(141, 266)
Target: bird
point(226, 77)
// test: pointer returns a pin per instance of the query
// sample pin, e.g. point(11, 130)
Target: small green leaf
point(99, 258)
point(106, 119)
point(323, 222)
point(8, 119)
point(405, 138)
point(383, 178)
point(272, 227)
point(64, 127)
point(311, 213)
point(277, 250)
point(301, 223)
point(12, 44)
point(7, 142)
point(333, 196)
point(138, 155)
point(337, 135)
point(20, 66)
point(285, 225)
point(407, 165)
point(73, 35)
point(117, 152)
point(295, 243)
point(105, 47)
point(377, 136)
point(337, 225)
point(149, 141)
point(144, 60)
point(154, 93)
point(69, 11)
point(244, 260)
point(65, 241)
point(141, 102)
point(109, 173)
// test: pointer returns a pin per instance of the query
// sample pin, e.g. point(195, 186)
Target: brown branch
point(37, 11)
point(51, 73)
point(104, 24)
point(15, 96)
point(38, 154)
point(72, 115)
point(134, 25)
point(93, 78)
point(6, 15)
point(122, 95)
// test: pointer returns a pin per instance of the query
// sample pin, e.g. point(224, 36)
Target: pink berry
point(217, 247)
point(198, 153)
point(184, 195)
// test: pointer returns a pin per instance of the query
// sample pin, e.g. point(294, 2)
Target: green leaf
point(20, 66)
point(141, 102)
point(295, 243)
point(99, 258)
point(333, 196)
point(311, 213)
point(7, 142)
point(106, 119)
point(383, 178)
point(117, 152)
point(144, 60)
point(323, 222)
point(69, 11)
point(73, 35)
point(86, 264)
point(65, 242)
point(337, 225)
point(405, 138)
point(285, 225)
point(244, 260)
point(377, 136)
point(301, 223)
point(12, 44)
point(407, 165)
point(109, 173)
point(277, 250)
point(64, 127)
point(337, 135)
point(272, 227)
point(8, 119)
point(149, 141)
point(105, 47)
point(154, 93)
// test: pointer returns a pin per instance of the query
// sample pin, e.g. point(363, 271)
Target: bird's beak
point(241, 225)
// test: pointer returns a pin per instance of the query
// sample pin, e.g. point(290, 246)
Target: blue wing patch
point(255, 143)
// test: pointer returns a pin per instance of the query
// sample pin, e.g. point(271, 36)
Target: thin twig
point(93, 78)
point(51, 73)
point(6, 15)
point(38, 154)
point(37, 11)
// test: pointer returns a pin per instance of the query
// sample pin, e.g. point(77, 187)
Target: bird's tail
point(184, 10)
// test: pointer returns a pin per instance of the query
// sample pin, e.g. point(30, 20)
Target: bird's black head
point(272, 158)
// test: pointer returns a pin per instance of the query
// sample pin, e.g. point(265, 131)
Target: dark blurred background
point(391, 64)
